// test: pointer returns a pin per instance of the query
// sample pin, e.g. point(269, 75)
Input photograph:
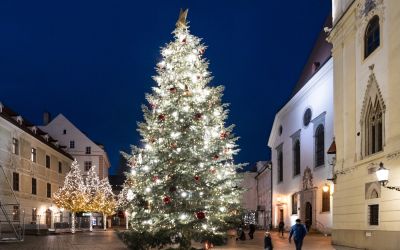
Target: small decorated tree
point(72, 196)
point(92, 184)
point(105, 200)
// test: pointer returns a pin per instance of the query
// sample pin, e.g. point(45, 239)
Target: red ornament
point(155, 178)
point(172, 90)
point(224, 135)
point(215, 157)
point(197, 178)
point(200, 215)
point(167, 200)
point(161, 117)
point(174, 146)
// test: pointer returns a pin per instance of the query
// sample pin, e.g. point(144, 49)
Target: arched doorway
point(48, 218)
point(308, 218)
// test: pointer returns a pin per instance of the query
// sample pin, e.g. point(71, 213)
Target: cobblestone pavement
point(107, 240)
point(311, 242)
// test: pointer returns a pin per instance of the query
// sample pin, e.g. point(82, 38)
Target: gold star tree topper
point(181, 23)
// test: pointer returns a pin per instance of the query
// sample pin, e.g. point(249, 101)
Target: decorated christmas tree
point(183, 181)
point(105, 200)
point(72, 196)
point(92, 184)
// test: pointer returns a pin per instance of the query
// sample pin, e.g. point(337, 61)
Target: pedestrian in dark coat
point(268, 241)
point(281, 227)
point(298, 231)
point(252, 230)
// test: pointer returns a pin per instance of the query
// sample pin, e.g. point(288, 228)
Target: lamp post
point(383, 177)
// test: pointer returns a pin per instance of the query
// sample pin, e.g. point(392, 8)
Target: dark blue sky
point(93, 60)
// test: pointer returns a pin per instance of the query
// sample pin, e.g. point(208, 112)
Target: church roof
point(319, 55)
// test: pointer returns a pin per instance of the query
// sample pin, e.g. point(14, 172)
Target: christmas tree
point(183, 181)
point(72, 196)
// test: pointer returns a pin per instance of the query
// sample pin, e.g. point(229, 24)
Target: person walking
point(252, 230)
point(281, 228)
point(268, 241)
point(298, 231)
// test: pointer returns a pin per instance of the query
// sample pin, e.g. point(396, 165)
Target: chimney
point(46, 118)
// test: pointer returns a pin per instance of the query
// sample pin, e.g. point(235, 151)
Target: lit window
point(34, 214)
point(15, 213)
point(15, 146)
point(372, 36)
point(326, 200)
point(294, 204)
point(33, 154)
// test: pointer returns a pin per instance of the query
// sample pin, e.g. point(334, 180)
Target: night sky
point(93, 60)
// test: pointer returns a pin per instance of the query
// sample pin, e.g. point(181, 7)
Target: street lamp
point(325, 188)
point(383, 177)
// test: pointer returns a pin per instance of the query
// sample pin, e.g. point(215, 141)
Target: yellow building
point(33, 166)
point(366, 65)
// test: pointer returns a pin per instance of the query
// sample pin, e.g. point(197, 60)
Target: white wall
point(317, 94)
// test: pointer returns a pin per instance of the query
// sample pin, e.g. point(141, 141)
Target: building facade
point(79, 145)
point(264, 194)
point(366, 62)
point(300, 137)
point(34, 166)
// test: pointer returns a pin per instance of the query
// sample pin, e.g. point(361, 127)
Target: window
point(373, 213)
point(296, 158)
point(59, 167)
point(15, 146)
point(15, 181)
point(307, 117)
point(88, 165)
point(374, 128)
point(33, 154)
point(280, 166)
point(34, 214)
point(372, 36)
point(48, 190)
point(15, 213)
point(326, 200)
point(47, 161)
point(319, 146)
point(64, 131)
point(294, 204)
point(88, 150)
point(34, 186)
point(71, 144)
point(280, 130)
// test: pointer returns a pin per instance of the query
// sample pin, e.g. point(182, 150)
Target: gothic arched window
point(296, 158)
point(372, 36)
point(319, 146)
point(374, 127)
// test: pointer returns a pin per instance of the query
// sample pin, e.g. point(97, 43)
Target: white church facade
point(301, 135)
